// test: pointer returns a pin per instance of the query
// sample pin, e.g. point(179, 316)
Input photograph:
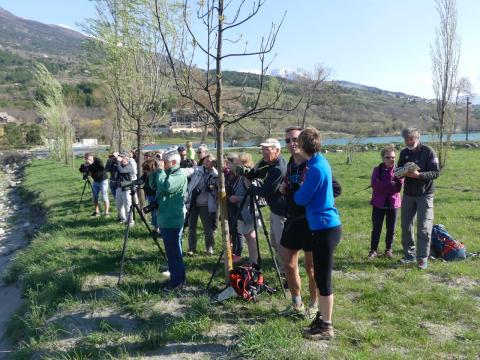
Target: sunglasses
point(293, 139)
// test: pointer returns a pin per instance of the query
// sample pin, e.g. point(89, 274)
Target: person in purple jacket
point(385, 201)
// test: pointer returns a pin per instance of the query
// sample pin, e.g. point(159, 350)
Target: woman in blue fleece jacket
point(316, 194)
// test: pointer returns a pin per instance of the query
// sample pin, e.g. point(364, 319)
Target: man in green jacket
point(171, 184)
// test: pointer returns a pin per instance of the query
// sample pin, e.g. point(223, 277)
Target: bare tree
point(463, 90)
point(445, 55)
point(311, 85)
point(204, 88)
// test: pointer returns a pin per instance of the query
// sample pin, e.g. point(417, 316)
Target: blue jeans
point(151, 199)
point(100, 187)
point(172, 239)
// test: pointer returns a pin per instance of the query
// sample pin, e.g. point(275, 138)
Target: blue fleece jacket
point(316, 194)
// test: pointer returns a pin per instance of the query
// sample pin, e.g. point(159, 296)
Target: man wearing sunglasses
point(296, 234)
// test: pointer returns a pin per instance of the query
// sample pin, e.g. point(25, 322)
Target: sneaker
point(372, 254)
point(236, 258)
point(294, 310)
point(407, 259)
point(106, 215)
point(191, 253)
point(168, 288)
point(210, 251)
point(95, 214)
point(389, 253)
point(422, 264)
point(320, 331)
point(311, 312)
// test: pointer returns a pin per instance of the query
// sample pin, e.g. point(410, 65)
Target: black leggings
point(324, 243)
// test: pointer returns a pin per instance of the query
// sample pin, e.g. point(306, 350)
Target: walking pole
point(214, 271)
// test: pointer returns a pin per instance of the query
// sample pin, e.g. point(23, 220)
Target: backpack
point(445, 246)
point(248, 282)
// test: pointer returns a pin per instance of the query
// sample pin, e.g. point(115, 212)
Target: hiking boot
point(389, 253)
point(372, 254)
point(407, 260)
point(320, 331)
point(422, 264)
point(294, 310)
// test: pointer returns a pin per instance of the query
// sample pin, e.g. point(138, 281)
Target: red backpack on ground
point(248, 282)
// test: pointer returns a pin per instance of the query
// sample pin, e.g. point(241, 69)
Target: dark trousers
point(324, 243)
point(377, 223)
point(235, 236)
point(206, 218)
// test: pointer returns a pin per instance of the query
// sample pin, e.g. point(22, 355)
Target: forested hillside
point(341, 107)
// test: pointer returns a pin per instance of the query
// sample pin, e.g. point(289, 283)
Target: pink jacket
point(385, 186)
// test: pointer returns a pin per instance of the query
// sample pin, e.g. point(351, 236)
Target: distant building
point(86, 143)
point(181, 122)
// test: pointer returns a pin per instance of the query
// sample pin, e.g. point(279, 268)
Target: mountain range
point(345, 107)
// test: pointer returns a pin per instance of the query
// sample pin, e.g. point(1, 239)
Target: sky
point(381, 43)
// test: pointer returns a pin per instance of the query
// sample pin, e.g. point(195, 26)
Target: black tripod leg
point(154, 237)
point(277, 270)
point(81, 198)
point(255, 227)
point(125, 240)
point(214, 271)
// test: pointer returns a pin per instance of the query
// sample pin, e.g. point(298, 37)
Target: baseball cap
point(167, 155)
point(271, 142)
point(181, 148)
point(202, 147)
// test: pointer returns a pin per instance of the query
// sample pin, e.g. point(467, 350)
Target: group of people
point(300, 194)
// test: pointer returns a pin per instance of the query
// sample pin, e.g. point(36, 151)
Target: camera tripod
point(254, 206)
point(87, 182)
point(131, 215)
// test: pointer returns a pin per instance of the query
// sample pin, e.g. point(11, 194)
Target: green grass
point(74, 310)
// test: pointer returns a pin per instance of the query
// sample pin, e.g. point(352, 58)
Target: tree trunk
point(219, 128)
point(222, 200)
point(118, 126)
point(140, 161)
point(203, 140)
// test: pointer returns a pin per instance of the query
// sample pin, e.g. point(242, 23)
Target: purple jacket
point(385, 186)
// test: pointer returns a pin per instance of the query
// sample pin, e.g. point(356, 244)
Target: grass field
point(383, 310)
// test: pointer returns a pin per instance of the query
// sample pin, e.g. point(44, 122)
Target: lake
point(339, 141)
